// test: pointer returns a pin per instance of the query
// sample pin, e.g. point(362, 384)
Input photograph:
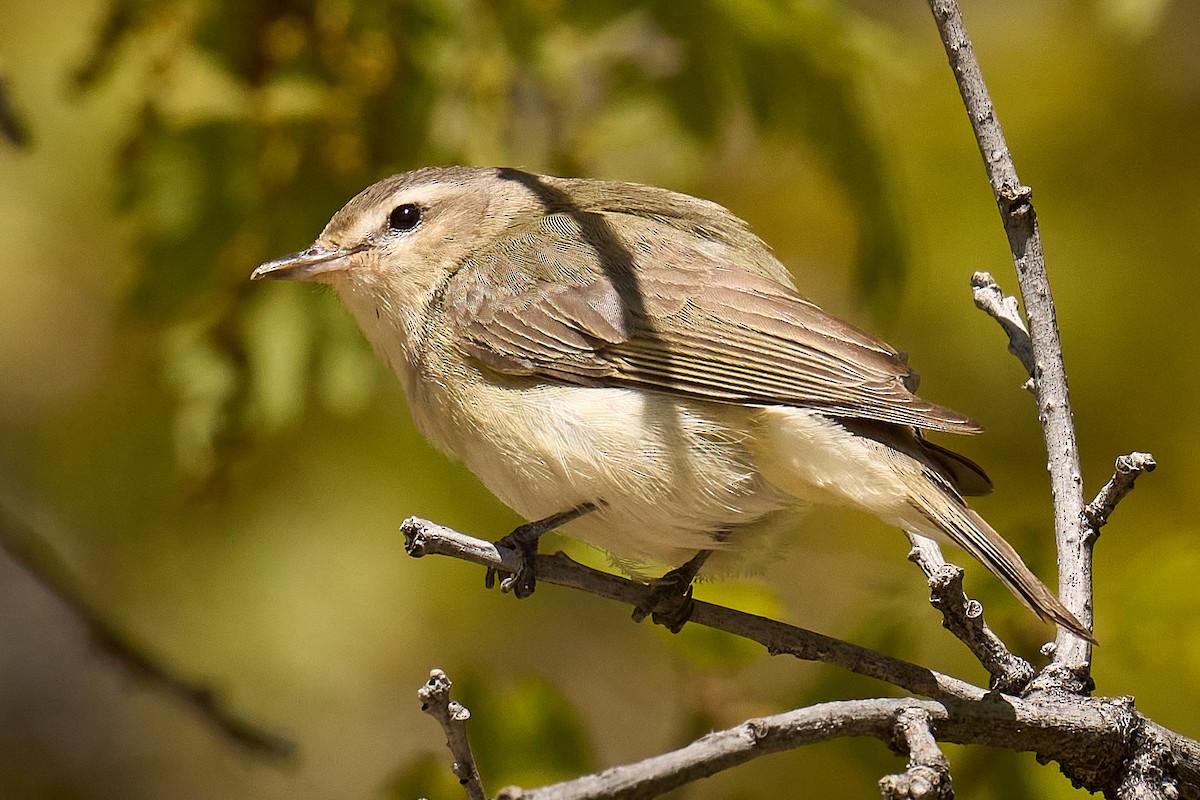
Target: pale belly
point(672, 476)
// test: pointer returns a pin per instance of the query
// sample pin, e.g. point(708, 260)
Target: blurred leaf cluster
point(258, 120)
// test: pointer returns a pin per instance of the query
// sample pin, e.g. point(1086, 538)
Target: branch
point(1126, 471)
point(1093, 738)
point(1150, 770)
point(1050, 377)
point(963, 616)
point(1101, 734)
point(422, 537)
point(22, 542)
point(436, 702)
point(722, 750)
point(928, 774)
point(1004, 309)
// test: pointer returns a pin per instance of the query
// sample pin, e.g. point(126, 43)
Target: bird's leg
point(525, 541)
point(670, 599)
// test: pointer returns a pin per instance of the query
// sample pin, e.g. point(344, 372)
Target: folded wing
point(580, 300)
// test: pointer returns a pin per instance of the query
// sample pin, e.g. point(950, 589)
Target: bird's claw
point(524, 540)
point(669, 603)
point(522, 582)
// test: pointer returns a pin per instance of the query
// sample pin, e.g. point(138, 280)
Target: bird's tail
point(952, 517)
point(903, 479)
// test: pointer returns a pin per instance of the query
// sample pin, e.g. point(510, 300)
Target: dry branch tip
point(1005, 310)
point(963, 617)
point(1125, 472)
point(452, 716)
point(927, 776)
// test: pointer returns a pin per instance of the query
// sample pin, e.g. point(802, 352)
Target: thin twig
point(25, 545)
point(1004, 309)
point(927, 776)
point(1126, 471)
point(427, 538)
point(1050, 377)
point(436, 702)
point(963, 617)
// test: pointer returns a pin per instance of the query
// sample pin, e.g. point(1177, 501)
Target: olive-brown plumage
point(589, 344)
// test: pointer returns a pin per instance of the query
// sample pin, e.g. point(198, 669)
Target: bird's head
point(407, 233)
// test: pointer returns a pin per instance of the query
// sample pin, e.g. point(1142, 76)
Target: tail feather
point(971, 532)
point(903, 479)
point(967, 476)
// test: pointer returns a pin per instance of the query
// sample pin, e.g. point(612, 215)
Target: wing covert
point(575, 301)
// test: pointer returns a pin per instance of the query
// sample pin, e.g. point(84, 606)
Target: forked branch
point(1015, 201)
point(963, 617)
point(1100, 735)
point(928, 774)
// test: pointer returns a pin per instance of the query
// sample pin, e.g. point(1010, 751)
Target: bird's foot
point(522, 582)
point(524, 539)
point(670, 602)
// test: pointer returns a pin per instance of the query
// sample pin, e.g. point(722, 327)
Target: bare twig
point(1126, 471)
point(436, 702)
point(1050, 377)
point(1097, 733)
point(927, 776)
point(426, 538)
point(25, 545)
point(1004, 309)
point(963, 616)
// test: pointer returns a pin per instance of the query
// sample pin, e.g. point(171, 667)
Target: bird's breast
point(672, 475)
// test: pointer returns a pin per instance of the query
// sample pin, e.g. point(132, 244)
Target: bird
point(634, 366)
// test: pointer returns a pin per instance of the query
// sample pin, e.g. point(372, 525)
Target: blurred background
point(223, 467)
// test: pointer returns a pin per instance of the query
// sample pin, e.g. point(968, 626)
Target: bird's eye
point(404, 218)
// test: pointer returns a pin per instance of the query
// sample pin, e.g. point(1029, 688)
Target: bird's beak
point(307, 265)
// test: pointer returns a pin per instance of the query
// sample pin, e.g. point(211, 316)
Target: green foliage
point(259, 121)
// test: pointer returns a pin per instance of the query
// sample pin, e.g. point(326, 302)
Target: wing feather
point(574, 300)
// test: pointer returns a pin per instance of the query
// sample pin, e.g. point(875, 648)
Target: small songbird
point(633, 364)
